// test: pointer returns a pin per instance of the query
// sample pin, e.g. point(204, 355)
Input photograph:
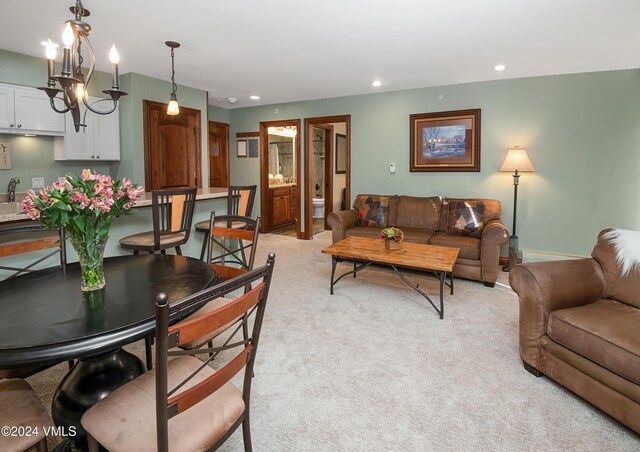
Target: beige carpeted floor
point(372, 368)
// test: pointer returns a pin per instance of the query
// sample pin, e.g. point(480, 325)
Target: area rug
point(373, 368)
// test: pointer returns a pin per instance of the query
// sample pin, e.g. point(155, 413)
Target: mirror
point(341, 153)
point(282, 164)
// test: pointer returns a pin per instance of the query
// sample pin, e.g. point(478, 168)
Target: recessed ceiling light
point(500, 67)
point(376, 83)
point(254, 97)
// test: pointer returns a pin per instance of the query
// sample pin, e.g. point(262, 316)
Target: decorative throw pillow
point(373, 211)
point(465, 218)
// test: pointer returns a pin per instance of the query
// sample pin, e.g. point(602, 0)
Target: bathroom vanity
point(283, 199)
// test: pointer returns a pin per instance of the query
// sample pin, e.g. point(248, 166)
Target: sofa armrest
point(494, 234)
point(340, 222)
point(543, 287)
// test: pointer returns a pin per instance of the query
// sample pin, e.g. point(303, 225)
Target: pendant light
point(73, 81)
point(173, 108)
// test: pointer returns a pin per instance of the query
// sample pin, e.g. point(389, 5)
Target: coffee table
point(438, 260)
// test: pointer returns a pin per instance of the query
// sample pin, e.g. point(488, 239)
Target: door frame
point(264, 171)
point(148, 176)
point(308, 167)
point(226, 127)
point(328, 171)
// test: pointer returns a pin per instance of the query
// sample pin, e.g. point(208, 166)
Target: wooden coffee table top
point(416, 255)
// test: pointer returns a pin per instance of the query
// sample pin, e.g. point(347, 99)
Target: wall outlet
point(37, 182)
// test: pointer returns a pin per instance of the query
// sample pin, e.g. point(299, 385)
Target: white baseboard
point(539, 256)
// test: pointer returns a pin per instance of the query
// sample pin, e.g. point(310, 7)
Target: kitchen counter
point(11, 212)
point(287, 184)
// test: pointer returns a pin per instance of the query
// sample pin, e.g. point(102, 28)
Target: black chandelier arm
point(56, 109)
point(100, 112)
point(92, 66)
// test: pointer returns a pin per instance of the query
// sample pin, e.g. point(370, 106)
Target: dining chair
point(22, 410)
point(227, 263)
point(47, 244)
point(194, 406)
point(27, 239)
point(240, 200)
point(172, 212)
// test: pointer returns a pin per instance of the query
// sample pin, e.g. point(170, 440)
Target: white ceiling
point(288, 50)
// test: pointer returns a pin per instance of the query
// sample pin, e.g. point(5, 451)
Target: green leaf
point(79, 221)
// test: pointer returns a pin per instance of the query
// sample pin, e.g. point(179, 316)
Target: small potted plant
point(392, 238)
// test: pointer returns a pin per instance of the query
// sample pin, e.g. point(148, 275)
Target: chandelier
point(173, 108)
point(73, 82)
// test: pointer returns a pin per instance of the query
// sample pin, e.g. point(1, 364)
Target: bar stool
point(172, 216)
point(239, 202)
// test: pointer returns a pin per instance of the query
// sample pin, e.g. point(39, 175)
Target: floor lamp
point(516, 160)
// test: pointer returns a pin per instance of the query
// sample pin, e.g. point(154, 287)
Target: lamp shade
point(517, 160)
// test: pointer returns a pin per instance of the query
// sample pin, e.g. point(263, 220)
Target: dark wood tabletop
point(45, 318)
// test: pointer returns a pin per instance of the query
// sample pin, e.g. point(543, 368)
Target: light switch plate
point(37, 182)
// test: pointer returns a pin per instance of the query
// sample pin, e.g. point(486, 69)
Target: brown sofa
point(580, 326)
point(424, 220)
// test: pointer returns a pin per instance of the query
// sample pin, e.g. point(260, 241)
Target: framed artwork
point(445, 141)
point(241, 148)
point(341, 153)
point(254, 150)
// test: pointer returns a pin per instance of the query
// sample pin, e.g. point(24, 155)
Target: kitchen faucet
point(12, 188)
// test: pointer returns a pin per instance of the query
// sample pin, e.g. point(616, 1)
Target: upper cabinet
point(28, 110)
point(100, 140)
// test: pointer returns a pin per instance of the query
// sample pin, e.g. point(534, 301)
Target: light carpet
point(373, 368)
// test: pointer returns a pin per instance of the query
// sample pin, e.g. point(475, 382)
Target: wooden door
point(218, 154)
point(171, 148)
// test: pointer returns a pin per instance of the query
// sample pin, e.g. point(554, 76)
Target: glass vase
point(90, 254)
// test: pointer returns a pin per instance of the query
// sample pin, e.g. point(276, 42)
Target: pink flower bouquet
point(84, 206)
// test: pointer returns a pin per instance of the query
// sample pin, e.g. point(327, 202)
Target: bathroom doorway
point(279, 176)
point(327, 170)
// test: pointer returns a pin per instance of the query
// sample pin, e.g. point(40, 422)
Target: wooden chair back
point(172, 212)
point(172, 402)
point(240, 199)
point(229, 260)
point(31, 238)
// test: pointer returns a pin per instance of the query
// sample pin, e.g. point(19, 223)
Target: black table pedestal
point(89, 381)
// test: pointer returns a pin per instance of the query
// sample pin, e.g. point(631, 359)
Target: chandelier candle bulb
point(50, 52)
point(114, 57)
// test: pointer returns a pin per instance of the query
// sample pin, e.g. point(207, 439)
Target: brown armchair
point(580, 326)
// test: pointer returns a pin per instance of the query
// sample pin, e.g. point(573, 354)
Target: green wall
point(218, 114)
point(582, 132)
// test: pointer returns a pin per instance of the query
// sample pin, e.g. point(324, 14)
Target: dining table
point(46, 319)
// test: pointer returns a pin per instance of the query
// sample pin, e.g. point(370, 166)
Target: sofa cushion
point(363, 231)
point(418, 235)
point(372, 210)
point(469, 246)
point(618, 284)
point(492, 210)
point(392, 210)
point(604, 331)
point(466, 218)
point(419, 212)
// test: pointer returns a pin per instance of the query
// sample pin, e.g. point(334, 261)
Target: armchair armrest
point(340, 222)
point(494, 234)
point(543, 287)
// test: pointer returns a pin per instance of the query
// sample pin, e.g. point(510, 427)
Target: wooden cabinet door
point(281, 208)
point(172, 147)
point(218, 154)
point(33, 112)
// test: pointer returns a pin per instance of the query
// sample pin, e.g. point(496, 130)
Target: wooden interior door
point(171, 147)
point(218, 154)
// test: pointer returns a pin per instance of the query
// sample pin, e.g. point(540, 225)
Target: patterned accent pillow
point(465, 218)
point(373, 211)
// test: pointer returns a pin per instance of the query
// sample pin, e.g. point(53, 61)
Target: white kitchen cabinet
point(28, 110)
point(99, 141)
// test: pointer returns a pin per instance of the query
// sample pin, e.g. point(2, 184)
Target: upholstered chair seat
point(21, 407)
point(124, 421)
point(144, 241)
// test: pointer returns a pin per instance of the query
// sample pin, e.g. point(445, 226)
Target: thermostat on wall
point(5, 155)
point(392, 167)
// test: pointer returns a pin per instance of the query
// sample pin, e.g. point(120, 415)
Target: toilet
point(318, 207)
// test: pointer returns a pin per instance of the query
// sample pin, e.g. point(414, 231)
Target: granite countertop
point(12, 211)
